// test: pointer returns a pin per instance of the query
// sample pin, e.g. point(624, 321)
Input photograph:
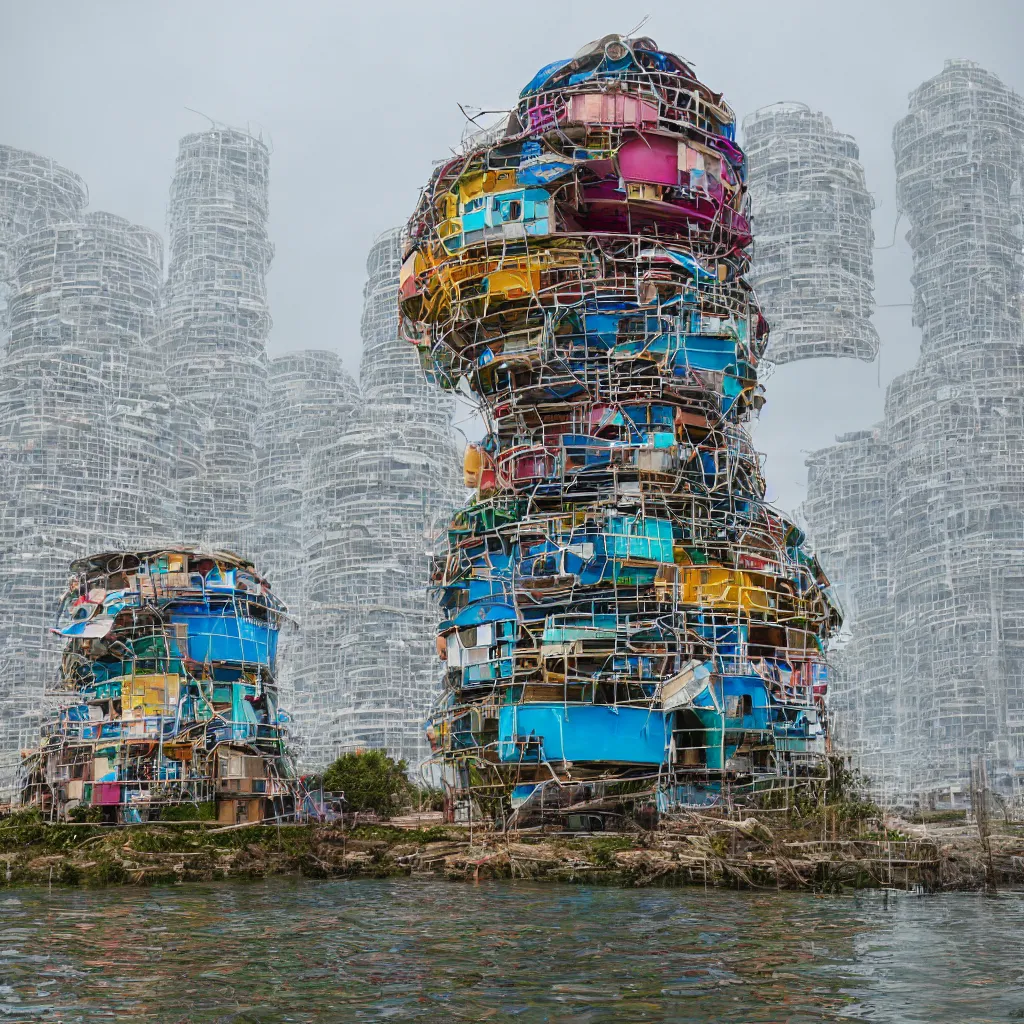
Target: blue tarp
point(585, 732)
point(484, 612)
point(537, 82)
point(223, 636)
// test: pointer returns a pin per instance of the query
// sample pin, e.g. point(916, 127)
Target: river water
point(419, 950)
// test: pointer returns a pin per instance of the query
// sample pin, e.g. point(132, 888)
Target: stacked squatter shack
point(167, 698)
point(622, 608)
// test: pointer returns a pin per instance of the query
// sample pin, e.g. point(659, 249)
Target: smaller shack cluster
point(166, 693)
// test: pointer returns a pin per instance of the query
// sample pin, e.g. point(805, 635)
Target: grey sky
point(357, 100)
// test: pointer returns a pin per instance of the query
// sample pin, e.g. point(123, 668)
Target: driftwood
point(699, 849)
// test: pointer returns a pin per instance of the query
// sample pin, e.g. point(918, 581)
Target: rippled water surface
point(294, 950)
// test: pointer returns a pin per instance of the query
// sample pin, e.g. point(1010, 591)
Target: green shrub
point(69, 874)
point(426, 798)
point(84, 814)
point(110, 872)
point(205, 811)
point(371, 781)
point(22, 828)
point(604, 849)
point(937, 817)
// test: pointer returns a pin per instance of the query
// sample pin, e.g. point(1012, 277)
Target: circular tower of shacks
point(812, 264)
point(621, 608)
point(375, 500)
point(310, 400)
point(83, 465)
point(955, 428)
point(216, 323)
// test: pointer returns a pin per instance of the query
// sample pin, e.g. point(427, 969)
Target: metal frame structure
point(812, 262)
point(167, 693)
point(621, 606)
point(943, 577)
point(376, 498)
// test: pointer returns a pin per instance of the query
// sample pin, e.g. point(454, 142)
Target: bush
point(205, 811)
point(371, 781)
point(22, 828)
point(84, 814)
point(68, 874)
point(937, 817)
point(426, 798)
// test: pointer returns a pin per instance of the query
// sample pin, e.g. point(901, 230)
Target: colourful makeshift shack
point(167, 693)
point(621, 605)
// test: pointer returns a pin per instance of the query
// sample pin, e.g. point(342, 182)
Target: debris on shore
point(700, 849)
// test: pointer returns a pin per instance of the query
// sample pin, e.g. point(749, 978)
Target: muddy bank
point(701, 851)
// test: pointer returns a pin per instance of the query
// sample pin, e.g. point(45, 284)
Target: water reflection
point(293, 950)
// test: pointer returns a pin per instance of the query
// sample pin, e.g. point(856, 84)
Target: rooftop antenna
point(268, 141)
point(480, 113)
point(636, 28)
point(213, 123)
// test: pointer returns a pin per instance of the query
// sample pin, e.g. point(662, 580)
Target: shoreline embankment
point(699, 850)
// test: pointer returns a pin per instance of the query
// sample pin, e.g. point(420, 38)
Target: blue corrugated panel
point(585, 732)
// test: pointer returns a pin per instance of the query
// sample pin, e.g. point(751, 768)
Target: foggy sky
point(358, 100)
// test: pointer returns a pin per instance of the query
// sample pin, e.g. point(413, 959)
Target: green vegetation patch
point(371, 781)
point(390, 834)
